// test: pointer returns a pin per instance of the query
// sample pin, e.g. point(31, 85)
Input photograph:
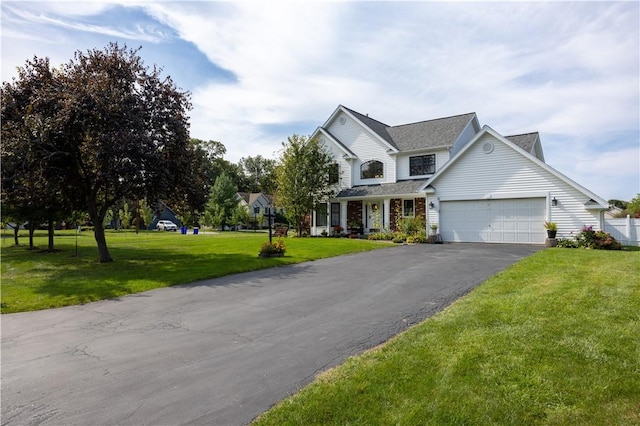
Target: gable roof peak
point(365, 116)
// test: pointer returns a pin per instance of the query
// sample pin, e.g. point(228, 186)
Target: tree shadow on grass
point(66, 280)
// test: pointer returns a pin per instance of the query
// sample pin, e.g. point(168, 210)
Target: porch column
point(343, 214)
point(386, 220)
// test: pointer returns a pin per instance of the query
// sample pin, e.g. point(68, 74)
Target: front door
point(375, 215)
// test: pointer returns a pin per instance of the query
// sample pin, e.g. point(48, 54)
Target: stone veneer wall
point(395, 205)
point(354, 211)
point(419, 206)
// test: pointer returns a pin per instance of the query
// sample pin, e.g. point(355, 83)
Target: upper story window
point(334, 174)
point(422, 165)
point(371, 170)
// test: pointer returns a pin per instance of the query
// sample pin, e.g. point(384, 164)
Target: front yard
point(33, 280)
point(553, 340)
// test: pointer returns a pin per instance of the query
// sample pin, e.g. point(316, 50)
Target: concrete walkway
point(220, 352)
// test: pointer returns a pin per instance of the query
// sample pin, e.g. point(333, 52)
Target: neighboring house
point(614, 213)
point(165, 213)
point(256, 204)
point(475, 184)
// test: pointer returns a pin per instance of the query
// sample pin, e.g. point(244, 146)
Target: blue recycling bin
point(195, 231)
point(183, 230)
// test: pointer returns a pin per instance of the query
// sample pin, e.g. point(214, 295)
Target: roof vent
point(343, 120)
point(487, 148)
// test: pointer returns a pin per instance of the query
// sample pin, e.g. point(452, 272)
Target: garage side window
point(371, 170)
point(422, 165)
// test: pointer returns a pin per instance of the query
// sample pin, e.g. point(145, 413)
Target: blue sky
point(261, 71)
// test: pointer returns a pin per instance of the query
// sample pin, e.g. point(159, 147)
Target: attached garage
point(519, 220)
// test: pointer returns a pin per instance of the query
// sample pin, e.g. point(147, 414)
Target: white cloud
point(610, 174)
point(567, 69)
point(560, 68)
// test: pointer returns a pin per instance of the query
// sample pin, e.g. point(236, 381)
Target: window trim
point(423, 165)
point(367, 164)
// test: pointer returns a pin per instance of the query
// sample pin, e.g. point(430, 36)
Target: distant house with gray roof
point(474, 183)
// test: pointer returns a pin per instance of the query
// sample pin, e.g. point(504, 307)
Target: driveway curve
point(222, 351)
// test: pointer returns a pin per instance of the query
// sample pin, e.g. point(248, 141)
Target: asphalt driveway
point(221, 351)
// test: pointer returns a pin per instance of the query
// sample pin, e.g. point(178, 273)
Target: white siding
point(344, 166)
point(442, 157)
point(505, 173)
point(366, 146)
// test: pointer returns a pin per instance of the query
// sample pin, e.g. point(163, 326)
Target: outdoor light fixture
point(431, 205)
point(554, 202)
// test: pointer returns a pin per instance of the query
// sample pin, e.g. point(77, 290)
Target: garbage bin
point(195, 231)
point(183, 230)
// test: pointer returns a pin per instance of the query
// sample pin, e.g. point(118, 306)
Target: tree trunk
point(97, 217)
point(101, 240)
point(32, 230)
point(50, 232)
point(15, 234)
point(300, 226)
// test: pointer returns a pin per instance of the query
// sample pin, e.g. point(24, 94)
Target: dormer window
point(422, 165)
point(371, 170)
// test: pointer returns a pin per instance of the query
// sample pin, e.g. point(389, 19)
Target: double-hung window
point(321, 214)
point(335, 214)
point(407, 208)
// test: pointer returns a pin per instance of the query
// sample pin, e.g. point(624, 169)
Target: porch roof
point(405, 187)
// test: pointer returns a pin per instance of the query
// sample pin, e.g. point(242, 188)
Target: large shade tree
point(260, 173)
point(114, 129)
point(303, 177)
point(29, 191)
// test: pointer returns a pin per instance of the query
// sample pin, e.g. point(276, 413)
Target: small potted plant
point(551, 228)
point(434, 228)
point(355, 226)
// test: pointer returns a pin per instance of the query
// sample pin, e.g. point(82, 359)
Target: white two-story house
point(475, 184)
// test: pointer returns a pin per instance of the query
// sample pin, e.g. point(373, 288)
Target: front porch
point(365, 216)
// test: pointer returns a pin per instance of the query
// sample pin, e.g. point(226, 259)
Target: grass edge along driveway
point(34, 280)
point(551, 340)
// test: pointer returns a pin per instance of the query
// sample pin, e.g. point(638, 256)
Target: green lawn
point(552, 340)
point(33, 280)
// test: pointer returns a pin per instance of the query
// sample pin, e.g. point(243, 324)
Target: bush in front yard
point(276, 248)
point(588, 238)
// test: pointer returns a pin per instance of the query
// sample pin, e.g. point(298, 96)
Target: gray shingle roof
point(424, 134)
point(398, 188)
point(524, 141)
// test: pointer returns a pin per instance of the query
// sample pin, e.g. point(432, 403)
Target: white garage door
point(494, 221)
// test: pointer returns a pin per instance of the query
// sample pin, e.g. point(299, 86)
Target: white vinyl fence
point(625, 230)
